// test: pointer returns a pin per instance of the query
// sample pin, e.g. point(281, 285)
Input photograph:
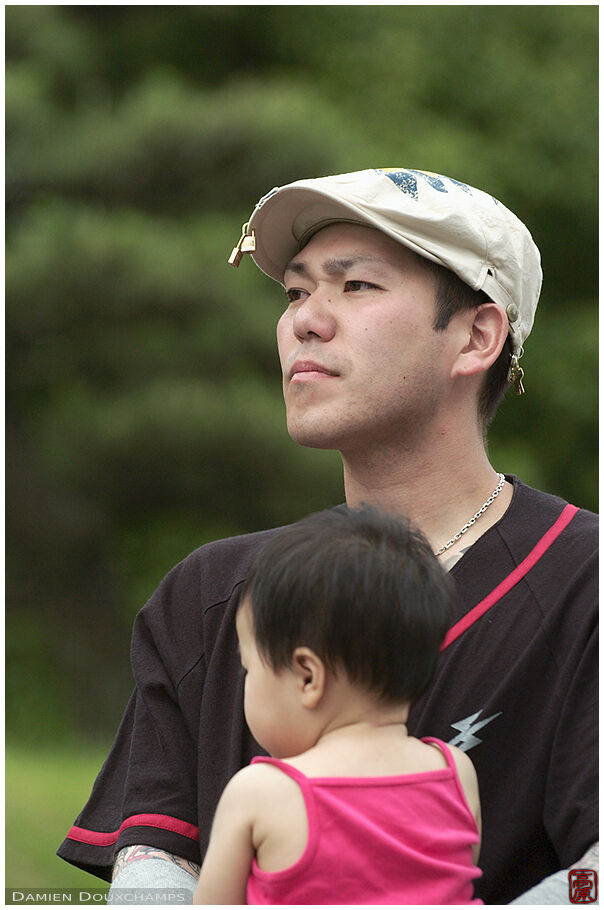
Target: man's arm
point(141, 852)
point(554, 888)
point(143, 867)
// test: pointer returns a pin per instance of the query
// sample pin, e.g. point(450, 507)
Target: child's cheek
point(253, 711)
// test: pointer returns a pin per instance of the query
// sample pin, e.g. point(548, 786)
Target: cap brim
point(286, 220)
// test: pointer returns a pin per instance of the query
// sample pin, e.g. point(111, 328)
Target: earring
point(516, 373)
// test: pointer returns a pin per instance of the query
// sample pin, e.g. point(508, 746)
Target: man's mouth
point(305, 370)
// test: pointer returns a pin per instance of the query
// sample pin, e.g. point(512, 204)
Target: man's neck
point(439, 487)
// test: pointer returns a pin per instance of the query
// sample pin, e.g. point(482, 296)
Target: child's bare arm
point(469, 782)
point(226, 867)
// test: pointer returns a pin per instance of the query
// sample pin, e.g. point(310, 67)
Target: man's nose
point(314, 317)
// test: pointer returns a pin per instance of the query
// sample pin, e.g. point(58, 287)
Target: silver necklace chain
point(480, 512)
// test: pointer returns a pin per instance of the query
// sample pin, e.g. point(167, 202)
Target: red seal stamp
point(582, 886)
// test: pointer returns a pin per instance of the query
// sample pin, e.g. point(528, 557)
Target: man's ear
point(485, 329)
point(310, 674)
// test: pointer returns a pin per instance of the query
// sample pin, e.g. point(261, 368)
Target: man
point(409, 297)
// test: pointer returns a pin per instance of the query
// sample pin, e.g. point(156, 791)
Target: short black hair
point(359, 587)
point(452, 296)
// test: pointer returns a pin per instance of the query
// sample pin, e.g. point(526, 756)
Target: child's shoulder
point(464, 766)
point(259, 781)
point(466, 773)
point(267, 800)
point(462, 762)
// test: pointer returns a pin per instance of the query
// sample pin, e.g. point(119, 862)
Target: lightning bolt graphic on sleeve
point(465, 739)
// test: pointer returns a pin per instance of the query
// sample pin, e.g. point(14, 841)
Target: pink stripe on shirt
point(106, 839)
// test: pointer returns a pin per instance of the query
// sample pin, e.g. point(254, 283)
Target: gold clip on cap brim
point(246, 244)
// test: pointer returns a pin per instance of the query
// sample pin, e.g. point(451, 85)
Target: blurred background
point(143, 402)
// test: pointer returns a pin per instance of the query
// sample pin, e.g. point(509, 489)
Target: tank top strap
point(292, 772)
point(308, 796)
point(444, 749)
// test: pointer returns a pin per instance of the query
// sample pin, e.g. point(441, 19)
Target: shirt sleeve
point(152, 881)
point(146, 791)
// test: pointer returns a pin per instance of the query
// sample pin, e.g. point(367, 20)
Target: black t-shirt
point(517, 690)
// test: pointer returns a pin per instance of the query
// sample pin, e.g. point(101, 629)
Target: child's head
point(362, 590)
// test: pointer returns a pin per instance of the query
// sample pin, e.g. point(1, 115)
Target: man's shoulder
point(210, 574)
point(539, 539)
point(230, 556)
point(212, 571)
point(535, 510)
point(554, 545)
point(183, 615)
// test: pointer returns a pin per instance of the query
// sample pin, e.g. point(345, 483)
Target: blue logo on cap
point(407, 181)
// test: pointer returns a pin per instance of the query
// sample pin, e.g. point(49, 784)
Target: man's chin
point(315, 442)
point(313, 437)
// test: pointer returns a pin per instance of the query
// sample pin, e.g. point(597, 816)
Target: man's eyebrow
point(335, 266)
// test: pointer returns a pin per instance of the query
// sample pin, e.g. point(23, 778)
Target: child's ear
point(310, 674)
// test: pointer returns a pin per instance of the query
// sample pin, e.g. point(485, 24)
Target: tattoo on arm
point(140, 851)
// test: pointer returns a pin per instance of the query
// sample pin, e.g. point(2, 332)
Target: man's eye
point(294, 294)
point(359, 286)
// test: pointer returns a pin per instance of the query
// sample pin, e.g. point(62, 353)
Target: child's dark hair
point(363, 590)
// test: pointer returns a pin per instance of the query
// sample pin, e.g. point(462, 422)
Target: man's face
point(362, 365)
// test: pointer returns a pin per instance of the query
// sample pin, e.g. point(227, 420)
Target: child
point(339, 625)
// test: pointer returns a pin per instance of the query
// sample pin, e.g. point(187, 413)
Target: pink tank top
point(378, 840)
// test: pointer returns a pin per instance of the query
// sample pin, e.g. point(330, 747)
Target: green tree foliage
point(144, 413)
